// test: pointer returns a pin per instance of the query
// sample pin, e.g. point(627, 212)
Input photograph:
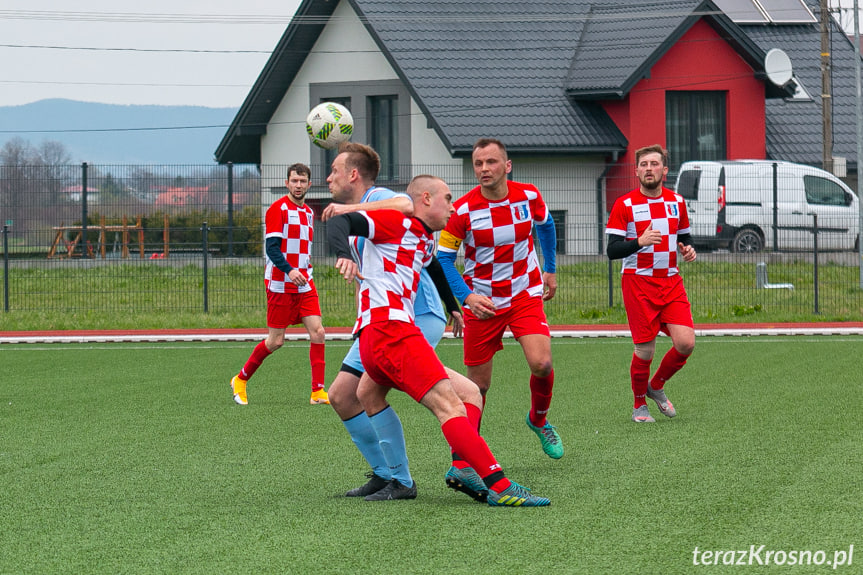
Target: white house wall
point(427, 149)
point(344, 52)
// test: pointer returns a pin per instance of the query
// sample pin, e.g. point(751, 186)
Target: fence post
point(610, 284)
point(230, 209)
point(5, 268)
point(204, 231)
point(84, 210)
point(775, 207)
point(815, 257)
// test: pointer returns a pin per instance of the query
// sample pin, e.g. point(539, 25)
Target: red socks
point(639, 373)
point(671, 363)
point(464, 439)
point(316, 359)
point(474, 415)
point(540, 398)
point(255, 360)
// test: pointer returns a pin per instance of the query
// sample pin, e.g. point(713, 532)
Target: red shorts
point(484, 337)
point(284, 309)
point(652, 303)
point(396, 354)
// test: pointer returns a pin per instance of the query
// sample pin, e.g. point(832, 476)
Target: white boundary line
point(742, 330)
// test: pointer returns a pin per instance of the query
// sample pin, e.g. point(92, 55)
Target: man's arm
point(457, 285)
point(274, 252)
point(338, 230)
point(547, 236)
point(438, 276)
point(619, 247)
point(401, 204)
point(548, 242)
point(684, 244)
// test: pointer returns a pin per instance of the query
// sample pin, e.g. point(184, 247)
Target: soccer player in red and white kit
point(393, 350)
point(291, 294)
point(647, 227)
point(503, 285)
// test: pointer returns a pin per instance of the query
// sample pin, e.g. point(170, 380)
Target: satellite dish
point(777, 66)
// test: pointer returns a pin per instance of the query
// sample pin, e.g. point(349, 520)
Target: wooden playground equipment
point(62, 247)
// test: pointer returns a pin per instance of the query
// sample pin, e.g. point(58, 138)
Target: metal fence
point(168, 239)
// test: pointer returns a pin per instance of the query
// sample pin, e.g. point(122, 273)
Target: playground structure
point(124, 234)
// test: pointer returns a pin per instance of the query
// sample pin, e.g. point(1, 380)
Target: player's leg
point(537, 351)
point(388, 428)
point(317, 360)
point(444, 403)
point(481, 375)
point(275, 339)
point(461, 476)
point(343, 398)
point(676, 317)
point(482, 339)
point(682, 344)
point(530, 327)
point(643, 319)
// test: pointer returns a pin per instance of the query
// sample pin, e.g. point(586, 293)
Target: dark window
point(559, 218)
point(383, 133)
point(695, 127)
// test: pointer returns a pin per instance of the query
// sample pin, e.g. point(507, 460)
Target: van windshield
point(687, 184)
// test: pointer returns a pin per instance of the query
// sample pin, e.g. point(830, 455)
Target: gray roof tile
point(507, 69)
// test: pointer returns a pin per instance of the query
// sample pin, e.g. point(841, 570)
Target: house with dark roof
point(573, 88)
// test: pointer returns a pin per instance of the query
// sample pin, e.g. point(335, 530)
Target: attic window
point(767, 11)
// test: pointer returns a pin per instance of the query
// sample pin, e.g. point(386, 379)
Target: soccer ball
point(329, 124)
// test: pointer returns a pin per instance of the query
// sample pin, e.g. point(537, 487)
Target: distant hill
point(121, 134)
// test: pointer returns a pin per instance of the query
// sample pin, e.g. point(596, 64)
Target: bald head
point(432, 200)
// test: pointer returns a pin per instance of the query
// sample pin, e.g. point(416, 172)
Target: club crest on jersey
point(520, 212)
point(671, 209)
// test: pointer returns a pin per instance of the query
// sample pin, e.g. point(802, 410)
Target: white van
point(731, 205)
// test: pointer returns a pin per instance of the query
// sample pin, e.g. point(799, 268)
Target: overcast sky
point(150, 60)
point(132, 72)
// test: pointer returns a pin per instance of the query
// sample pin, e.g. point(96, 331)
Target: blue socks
point(366, 439)
point(392, 441)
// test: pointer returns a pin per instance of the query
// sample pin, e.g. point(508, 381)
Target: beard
point(651, 185)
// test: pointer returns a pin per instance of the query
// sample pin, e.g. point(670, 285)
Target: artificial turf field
point(132, 458)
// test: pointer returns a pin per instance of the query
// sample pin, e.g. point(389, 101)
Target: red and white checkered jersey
point(294, 225)
point(394, 254)
point(631, 215)
point(500, 261)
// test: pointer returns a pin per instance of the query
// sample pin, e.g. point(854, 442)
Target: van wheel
point(747, 241)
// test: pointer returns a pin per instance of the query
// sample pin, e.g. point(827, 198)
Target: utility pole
point(826, 95)
point(859, 102)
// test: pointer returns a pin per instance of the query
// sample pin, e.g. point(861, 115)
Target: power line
point(109, 49)
point(133, 84)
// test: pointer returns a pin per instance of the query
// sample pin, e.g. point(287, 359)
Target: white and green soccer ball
point(329, 124)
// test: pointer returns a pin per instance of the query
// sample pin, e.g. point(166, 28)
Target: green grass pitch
point(132, 458)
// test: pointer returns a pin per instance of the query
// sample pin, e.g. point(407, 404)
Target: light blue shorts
point(431, 325)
